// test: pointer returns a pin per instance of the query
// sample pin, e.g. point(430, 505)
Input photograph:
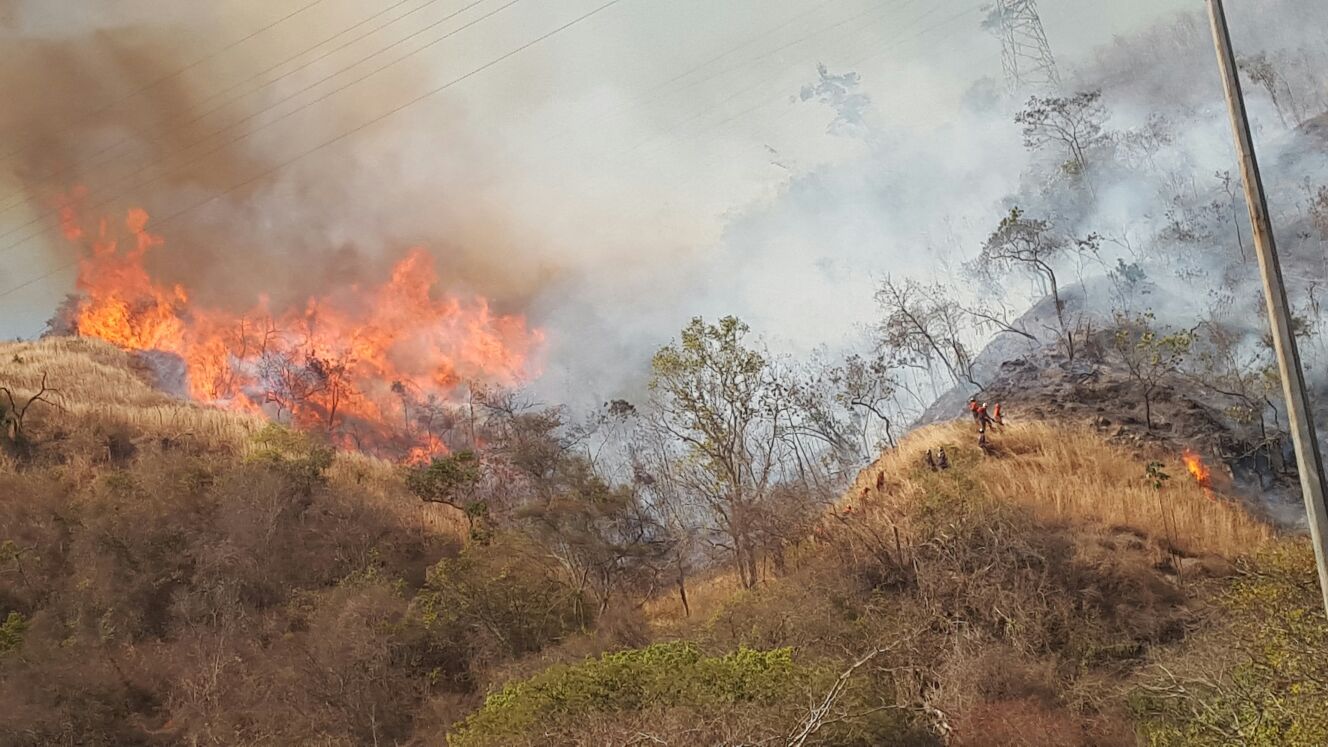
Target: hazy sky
point(597, 162)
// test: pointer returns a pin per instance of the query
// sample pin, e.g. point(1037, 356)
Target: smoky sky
point(651, 164)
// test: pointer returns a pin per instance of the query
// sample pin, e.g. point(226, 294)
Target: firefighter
point(996, 415)
point(973, 407)
point(984, 420)
point(942, 460)
point(931, 461)
point(982, 416)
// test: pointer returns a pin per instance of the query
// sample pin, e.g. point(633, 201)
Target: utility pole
point(1299, 415)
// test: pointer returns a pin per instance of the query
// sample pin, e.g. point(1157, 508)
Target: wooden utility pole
point(1299, 415)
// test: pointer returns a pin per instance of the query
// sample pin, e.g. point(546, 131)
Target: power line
point(245, 135)
point(294, 94)
point(354, 130)
point(803, 39)
point(637, 101)
point(644, 99)
point(763, 81)
point(899, 41)
point(153, 84)
point(129, 139)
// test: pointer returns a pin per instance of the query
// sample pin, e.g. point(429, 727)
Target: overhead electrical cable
point(250, 133)
point(899, 41)
point(309, 87)
point(177, 73)
point(347, 134)
point(177, 121)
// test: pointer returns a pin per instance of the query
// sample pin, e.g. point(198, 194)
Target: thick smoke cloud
point(575, 207)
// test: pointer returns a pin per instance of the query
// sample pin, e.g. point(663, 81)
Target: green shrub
point(1261, 679)
point(495, 602)
point(11, 632)
point(296, 454)
point(666, 675)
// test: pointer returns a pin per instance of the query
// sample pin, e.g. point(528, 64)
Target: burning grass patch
point(1065, 474)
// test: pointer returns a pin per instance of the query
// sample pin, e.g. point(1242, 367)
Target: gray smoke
point(606, 207)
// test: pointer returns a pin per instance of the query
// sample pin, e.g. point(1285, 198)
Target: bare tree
point(996, 318)
point(1233, 210)
point(1031, 245)
point(1140, 146)
point(11, 416)
point(869, 385)
point(1149, 356)
point(924, 327)
point(1073, 123)
point(1261, 70)
point(655, 474)
point(714, 395)
point(604, 537)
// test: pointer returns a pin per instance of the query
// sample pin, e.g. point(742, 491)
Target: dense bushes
point(495, 602)
point(1259, 674)
point(297, 596)
point(670, 692)
point(561, 699)
point(188, 596)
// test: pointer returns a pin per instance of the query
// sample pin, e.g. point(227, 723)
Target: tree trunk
point(682, 592)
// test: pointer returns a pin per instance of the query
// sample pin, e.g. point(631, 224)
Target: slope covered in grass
point(1017, 598)
point(174, 574)
point(102, 394)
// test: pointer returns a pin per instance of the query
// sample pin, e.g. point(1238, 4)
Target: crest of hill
point(104, 409)
point(97, 385)
point(1067, 474)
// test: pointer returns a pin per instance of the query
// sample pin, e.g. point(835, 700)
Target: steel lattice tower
point(1029, 64)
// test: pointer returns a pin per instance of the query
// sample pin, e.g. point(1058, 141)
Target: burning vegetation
point(1194, 464)
point(377, 369)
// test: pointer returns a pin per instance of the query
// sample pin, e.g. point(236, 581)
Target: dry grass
point(706, 594)
point(1061, 475)
point(379, 481)
point(96, 382)
point(1064, 474)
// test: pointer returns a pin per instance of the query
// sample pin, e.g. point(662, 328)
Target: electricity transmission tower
point(1029, 64)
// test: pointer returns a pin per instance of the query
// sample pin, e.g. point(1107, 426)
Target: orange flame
point(1194, 464)
point(357, 365)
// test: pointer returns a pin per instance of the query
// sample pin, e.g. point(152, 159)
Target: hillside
point(1193, 409)
point(177, 575)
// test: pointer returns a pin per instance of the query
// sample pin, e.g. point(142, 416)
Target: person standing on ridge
point(980, 415)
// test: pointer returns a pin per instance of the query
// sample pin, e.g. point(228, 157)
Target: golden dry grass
point(1060, 474)
point(96, 382)
point(1067, 474)
point(706, 594)
point(379, 481)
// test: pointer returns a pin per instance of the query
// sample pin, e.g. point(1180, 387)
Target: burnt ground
point(1094, 392)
